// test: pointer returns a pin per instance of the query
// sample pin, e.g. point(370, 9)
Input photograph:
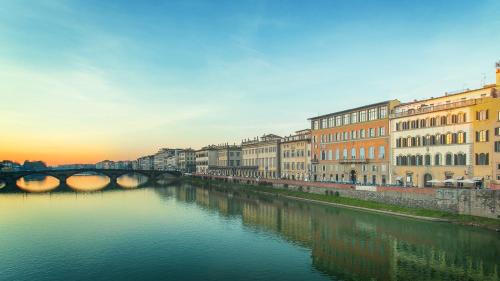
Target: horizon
point(88, 81)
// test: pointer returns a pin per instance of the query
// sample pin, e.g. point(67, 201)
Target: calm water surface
point(189, 233)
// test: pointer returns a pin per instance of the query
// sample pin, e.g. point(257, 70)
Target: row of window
point(294, 166)
point(438, 139)
point(260, 150)
point(350, 118)
point(432, 122)
point(328, 154)
point(295, 153)
point(261, 162)
point(351, 135)
point(342, 168)
point(459, 159)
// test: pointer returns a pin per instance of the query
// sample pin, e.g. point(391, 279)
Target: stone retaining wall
point(483, 203)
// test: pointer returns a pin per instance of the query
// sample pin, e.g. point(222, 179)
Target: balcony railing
point(353, 161)
point(432, 108)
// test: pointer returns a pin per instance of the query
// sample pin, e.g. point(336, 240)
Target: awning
point(466, 181)
point(399, 178)
point(450, 181)
point(433, 181)
point(477, 178)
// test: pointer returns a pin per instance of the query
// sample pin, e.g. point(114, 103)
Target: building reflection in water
point(352, 245)
point(132, 180)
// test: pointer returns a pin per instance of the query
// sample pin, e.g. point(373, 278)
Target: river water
point(182, 232)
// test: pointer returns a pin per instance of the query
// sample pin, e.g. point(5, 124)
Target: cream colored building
point(262, 153)
point(435, 139)
point(295, 157)
point(206, 157)
point(187, 161)
point(228, 155)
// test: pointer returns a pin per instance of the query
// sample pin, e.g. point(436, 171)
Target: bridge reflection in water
point(352, 245)
point(81, 180)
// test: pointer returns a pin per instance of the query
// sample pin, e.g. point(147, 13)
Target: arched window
point(381, 152)
point(423, 123)
point(461, 137)
point(443, 121)
point(427, 160)
point(404, 160)
point(409, 141)
point(449, 138)
point(449, 159)
point(437, 159)
point(433, 122)
point(454, 119)
point(413, 160)
point(482, 159)
point(371, 152)
point(362, 153)
point(337, 154)
point(442, 139)
point(398, 160)
point(344, 154)
point(433, 140)
point(353, 153)
point(420, 160)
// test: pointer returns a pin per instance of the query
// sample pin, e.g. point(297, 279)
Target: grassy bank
point(489, 223)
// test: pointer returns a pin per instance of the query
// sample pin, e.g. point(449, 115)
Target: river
point(182, 232)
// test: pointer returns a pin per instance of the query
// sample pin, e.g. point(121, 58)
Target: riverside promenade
point(482, 203)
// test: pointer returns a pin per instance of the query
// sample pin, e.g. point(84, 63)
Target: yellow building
point(486, 126)
point(447, 139)
point(295, 157)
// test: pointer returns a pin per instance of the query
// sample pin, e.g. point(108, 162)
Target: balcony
point(427, 109)
point(353, 161)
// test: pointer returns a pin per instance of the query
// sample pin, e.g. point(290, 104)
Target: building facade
point(295, 157)
point(352, 145)
point(187, 161)
point(263, 154)
point(205, 157)
point(166, 159)
point(446, 140)
point(228, 160)
point(145, 162)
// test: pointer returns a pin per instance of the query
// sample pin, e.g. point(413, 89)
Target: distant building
point(10, 166)
point(161, 161)
point(187, 161)
point(74, 166)
point(295, 157)
point(264, 154)
point(228, 160)
point(145, 162)
point(34, 165)
point(205, 157)
point(106, 164)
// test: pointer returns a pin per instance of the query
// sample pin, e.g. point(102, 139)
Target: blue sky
point(117, 79)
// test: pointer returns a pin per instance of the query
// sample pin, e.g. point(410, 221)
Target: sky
point(84, 81)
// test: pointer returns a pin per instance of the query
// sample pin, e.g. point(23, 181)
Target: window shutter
point(487, 135)
point(477, 115)
point(487, 111)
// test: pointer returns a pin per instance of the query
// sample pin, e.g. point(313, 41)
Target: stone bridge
point(10, 178)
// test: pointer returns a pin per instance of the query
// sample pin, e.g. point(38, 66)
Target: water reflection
point(353, 245)
point(132, 180)
point(2, 184)
point(88, 182)
point(37, 183)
